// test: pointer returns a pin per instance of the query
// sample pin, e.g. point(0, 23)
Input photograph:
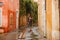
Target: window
point(1, 3)
point(11, 19)
point(0, 17)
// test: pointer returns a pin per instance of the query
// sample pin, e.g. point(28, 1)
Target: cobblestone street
point(26, 34)
point(30, 35)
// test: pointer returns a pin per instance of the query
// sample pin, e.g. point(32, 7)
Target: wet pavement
point(9, 36)
point(32, 34)
point(26, 34)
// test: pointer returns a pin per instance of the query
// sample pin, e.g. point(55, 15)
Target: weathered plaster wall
point(49, 19)
point(40, 17)
point(52, 19)
point(55, 20)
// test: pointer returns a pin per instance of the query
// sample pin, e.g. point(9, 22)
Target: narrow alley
point(32, 34)
point(29, 19)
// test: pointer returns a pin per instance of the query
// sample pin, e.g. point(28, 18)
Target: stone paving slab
point(9, 36)
point(34, 35)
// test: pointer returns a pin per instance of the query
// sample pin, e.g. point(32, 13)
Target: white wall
point(55, 20)
point(0, 17)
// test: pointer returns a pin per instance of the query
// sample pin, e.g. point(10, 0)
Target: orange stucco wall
point(49, 18)
point(9, 7)
point(4, 14)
